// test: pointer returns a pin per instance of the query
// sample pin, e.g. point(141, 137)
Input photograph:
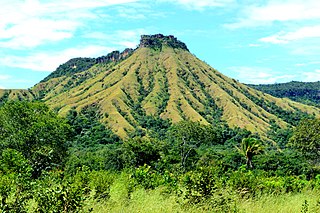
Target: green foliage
point(72, 66)
point(100, 183)
point(14, 192)
point(157, 41)
point(93, 144)
point(280, 135)
point(4, 97)
point(306, 138)
point(88, 130)
point(185, 139)
point(156, 126)
point(291, 117)
point(250, 147)
point(145, 177)
point(53, 195)
point(304, 92)
point(254, 183)
point(203, 189)
point(200, 184)
point(104, 157)
point(197, 166)
point(222, 156)
point(34, 131)
point(57, 192)
point(141, 151)
point(77, 65)
point(197, 134)
point(13, 161)
point(283, 163)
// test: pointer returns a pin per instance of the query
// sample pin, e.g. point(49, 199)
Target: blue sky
point(253, 41)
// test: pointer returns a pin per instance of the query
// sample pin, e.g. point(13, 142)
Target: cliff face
point(158, 40)
point(114, 56)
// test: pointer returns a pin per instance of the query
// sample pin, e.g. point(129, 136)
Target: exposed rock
point(158, 40)
point(114, 56)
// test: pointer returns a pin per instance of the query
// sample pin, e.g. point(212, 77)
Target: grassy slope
point(171, 83)
point(16, 94)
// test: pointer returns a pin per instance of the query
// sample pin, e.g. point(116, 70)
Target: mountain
point(163, 79)
point(304, 92)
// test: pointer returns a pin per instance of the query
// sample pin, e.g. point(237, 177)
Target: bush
point(14, 193)
point(100, 182)
point(140, 151)
point(148, 178)
point(200, 184)
point(35, 131)
point(287, 162)
point(56, 193)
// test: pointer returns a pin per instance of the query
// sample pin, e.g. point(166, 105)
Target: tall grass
point(140, 200)
point(307, 201)
point(157, 201)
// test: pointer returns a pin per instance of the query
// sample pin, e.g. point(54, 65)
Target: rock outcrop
point(158, 40)
point(114, 56)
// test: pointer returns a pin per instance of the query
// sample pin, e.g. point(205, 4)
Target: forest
point(75, 163)
point(304, 92)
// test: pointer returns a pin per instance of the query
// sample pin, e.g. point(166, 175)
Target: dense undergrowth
point(76, 164)
point(143, 190)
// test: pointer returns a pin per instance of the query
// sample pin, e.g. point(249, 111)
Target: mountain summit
point(163, 79)
point(159, 40)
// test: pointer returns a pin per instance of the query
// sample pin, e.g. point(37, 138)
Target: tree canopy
point(35, 131)
point(306, 138)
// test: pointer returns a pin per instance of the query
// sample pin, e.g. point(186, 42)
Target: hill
point(304, 92)
point(160, 79)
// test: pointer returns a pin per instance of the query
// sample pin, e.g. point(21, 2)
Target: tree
point(186, 137)
point(306, 138)
point(36, 132)
point(250, 147)
point(183, 139)
point(139, 151)
point(88, 130)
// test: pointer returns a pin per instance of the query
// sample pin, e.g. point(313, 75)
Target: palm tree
point(250, 147)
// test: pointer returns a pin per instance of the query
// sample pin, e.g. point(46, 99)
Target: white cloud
point(259, 75)
point(254, 45)
point(200, 4)
point(277, 11)
point(22, 35)
point(50, 61)
point(311, 76)
point(4, 77)
point(286, 37)
point(307, 63)
point(130, 13)
point(31, 23)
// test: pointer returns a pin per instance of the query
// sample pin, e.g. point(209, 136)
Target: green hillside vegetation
point(304, 92)
point(77, 65)
point(50, 163)
point(16, 95)
point(155, 130)
point(161, 78)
